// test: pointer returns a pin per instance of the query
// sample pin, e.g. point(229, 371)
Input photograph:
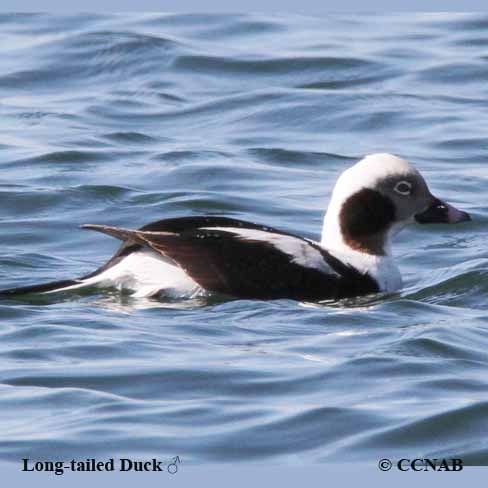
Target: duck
point(372, 201)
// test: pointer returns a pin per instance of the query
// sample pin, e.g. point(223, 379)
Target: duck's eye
point(403, 188)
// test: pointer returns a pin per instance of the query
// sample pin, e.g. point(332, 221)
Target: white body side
point(147, 273)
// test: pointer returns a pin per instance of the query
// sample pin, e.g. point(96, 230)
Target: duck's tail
point(129, 239)
point(42, 288)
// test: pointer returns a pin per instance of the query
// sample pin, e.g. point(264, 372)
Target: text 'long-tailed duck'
point(370, 203)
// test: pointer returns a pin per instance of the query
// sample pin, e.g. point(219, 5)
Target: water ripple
point(125, 119)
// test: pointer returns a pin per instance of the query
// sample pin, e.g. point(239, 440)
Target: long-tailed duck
point(370, 203)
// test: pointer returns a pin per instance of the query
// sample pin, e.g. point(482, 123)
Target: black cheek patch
point(364, 219)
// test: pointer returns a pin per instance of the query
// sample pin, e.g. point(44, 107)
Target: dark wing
point(248, 260)
point(185, 224)
point(175, 225)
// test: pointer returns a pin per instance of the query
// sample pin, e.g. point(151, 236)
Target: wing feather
point(246, 260)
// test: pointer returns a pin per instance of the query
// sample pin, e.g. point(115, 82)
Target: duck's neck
point(378, 263)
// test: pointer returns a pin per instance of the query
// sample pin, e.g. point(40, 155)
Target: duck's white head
point(371, 202)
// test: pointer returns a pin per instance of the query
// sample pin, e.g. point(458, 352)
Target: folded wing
point(245, 260)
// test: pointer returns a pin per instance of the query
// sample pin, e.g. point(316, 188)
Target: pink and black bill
point(440, 212)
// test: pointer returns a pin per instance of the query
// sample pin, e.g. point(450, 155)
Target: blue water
point(125, 119)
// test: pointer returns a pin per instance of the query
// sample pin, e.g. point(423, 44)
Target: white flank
point(146, 273)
